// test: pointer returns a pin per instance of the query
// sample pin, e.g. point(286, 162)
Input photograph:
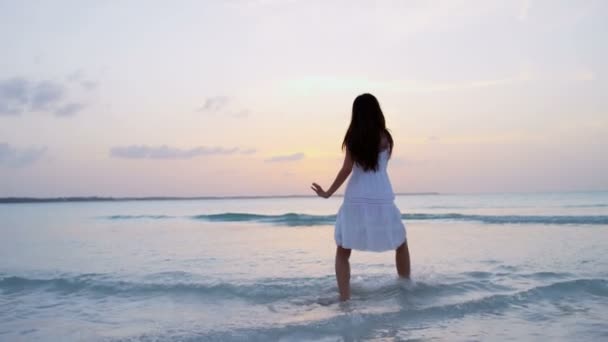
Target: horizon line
point(27, 199)
point(63, 199)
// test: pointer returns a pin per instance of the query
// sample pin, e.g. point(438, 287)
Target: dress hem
point(373, 250)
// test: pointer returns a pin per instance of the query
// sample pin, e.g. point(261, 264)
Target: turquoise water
point(485, 267)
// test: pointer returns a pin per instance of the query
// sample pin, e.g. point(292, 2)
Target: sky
point(253, 97)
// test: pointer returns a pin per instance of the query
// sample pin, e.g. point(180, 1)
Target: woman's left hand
point(319, 190)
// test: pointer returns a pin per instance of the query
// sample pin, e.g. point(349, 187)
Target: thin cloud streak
point(169, 152)
point(223, 105)
point(286, 158)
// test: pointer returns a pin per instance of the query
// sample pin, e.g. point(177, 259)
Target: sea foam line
point(273, 289)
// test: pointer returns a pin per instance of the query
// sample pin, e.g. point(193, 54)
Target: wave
point(516, 219)
point(598, 205)
point(289, 219)
point(271, 289)
point(295, 219)
point(307, 306)
point(412, 310)
point(128, 217)
point(595, 205)
point(265, 290)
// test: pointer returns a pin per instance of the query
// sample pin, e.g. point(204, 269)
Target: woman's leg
point(402, 260)
point(343, 272)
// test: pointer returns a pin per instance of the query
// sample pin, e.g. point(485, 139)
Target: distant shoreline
point(14, 200)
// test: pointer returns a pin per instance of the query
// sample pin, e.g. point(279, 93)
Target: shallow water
point(485, 267)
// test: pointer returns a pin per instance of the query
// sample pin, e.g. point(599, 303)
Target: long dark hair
point(364, 134)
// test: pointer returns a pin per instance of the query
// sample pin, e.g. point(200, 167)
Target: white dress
point(368, 219)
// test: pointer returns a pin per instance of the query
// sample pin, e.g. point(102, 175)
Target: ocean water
point(523, 267)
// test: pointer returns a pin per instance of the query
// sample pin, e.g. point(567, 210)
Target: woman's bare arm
point(347, 167)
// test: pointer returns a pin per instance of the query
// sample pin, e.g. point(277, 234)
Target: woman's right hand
point(319, 190)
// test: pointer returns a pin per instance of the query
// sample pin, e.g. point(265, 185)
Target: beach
point(484, 267)
point(176, 171)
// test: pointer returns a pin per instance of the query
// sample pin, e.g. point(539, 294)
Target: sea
point(485, 267)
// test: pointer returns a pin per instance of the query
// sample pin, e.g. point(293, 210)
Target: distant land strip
point(5, 200)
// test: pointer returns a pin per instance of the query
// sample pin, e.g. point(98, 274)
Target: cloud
point(286, 158)
point(14, 157)
point(45, 95)
point(69, 109)
point(78, 77)
point(14, 96)
point(222, 105)
point(168, 152)
point(19, 95)
point(214, 104)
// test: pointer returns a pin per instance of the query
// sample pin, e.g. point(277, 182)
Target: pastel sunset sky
point(252, 97)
